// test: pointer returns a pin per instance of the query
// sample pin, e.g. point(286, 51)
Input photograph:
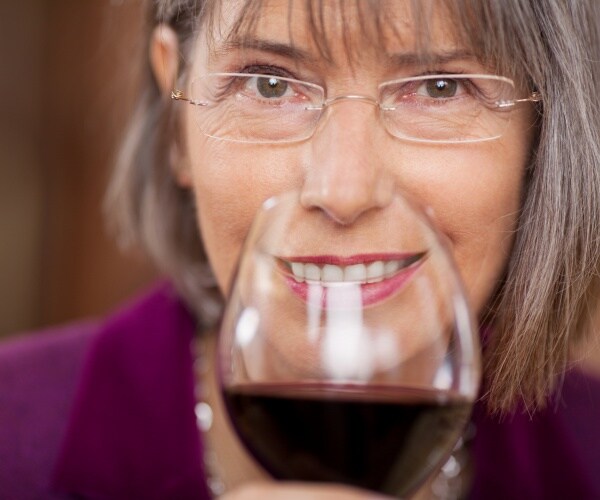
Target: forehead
point(336, 29)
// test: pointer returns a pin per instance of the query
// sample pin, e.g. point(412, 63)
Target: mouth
point(378, 275)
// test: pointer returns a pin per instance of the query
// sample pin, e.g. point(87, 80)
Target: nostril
point(347, 202)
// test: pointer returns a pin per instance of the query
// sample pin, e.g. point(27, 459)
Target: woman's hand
point(298, 491)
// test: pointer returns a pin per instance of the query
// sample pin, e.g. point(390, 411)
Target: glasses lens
point(447, 108)
point(256, 108)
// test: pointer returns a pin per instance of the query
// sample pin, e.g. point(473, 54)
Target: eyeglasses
point(445, 108)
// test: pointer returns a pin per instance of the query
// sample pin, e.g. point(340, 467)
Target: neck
point(228, 464)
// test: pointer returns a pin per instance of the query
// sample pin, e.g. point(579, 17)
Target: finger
point(298, 491)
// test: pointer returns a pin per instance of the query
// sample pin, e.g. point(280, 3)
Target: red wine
point(383, 440)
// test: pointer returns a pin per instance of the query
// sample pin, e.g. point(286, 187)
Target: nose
point(346, 176)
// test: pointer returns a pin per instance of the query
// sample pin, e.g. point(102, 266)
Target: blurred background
point(66, 90)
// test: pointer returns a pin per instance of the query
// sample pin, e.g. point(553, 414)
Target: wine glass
point(347, 352)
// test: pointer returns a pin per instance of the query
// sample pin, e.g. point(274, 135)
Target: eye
point(270, 87)
point(439, 88)
point(431, 90)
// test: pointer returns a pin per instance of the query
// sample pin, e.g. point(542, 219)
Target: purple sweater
point(132, 432)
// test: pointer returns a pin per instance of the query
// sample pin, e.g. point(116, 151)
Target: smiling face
point(350, 166)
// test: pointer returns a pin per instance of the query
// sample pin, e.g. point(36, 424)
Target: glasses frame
point(533, 97)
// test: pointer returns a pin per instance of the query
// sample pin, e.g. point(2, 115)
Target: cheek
point(475, 193)
point(230, 182)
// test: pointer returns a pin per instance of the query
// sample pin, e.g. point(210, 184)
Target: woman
point(519, 206)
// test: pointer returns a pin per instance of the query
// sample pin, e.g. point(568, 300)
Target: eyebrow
point(286, 50)
point(403, 59)
point(289, 51)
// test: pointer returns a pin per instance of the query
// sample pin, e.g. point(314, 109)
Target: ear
point(180, 167)
point(164, 57)
point(164, 60)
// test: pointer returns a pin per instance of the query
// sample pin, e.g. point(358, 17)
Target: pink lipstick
point(379, 275)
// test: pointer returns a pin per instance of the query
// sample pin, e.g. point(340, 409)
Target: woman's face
point(346, 168)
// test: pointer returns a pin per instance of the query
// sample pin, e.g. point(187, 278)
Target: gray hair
point(549, 291)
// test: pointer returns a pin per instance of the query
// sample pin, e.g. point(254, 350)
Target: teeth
point(391, 267)
point(356, 272)
point(332, 273)
point(298, 271)
point(312, 272)
point(375, 272)
point(361, 273)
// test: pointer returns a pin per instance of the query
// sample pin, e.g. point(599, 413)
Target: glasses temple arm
point(534, 97)
point(178, 95)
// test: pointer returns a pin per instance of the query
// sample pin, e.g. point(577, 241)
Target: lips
point(378, 275)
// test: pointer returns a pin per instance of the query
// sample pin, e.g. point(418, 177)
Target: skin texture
point(351, 165)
